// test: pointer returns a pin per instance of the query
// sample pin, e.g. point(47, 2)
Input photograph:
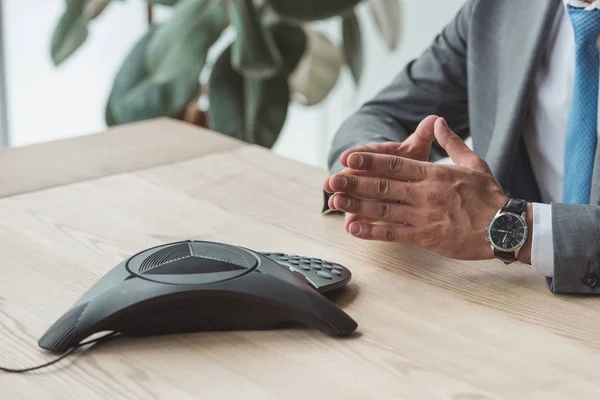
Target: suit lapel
point(523, 38)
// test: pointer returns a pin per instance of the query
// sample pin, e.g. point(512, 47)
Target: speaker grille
point(230, 258)
point(61, 333)
point(192, 262)
point(166, 255)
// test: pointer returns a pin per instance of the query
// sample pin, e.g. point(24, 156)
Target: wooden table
point(429, 327)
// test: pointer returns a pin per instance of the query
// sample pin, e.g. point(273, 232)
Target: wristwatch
point(507, 231)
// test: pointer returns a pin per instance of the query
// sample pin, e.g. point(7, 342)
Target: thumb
point(418, 145)
point(424, 134)
point(456, 148)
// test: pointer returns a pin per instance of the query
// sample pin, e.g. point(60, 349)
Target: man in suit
point(519, 77)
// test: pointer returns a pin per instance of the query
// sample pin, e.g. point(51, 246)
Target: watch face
point(507, 232)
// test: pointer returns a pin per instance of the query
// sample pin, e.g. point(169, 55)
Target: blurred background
point(40, 102)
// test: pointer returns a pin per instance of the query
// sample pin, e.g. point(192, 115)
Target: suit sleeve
point(576, 243)
point(434, 83)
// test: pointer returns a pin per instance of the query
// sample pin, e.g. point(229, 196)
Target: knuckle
point(389, 234)
point(481, 164)
point(352, 182)
point(455, 138)
point(480, 161)
point(410, 191)
point(428, 239)
point(383, 210)
point(428, 216)
point(357, 206)
point(410, 238)
point(477, 163)
point(441, 174)
point(395, 164)
point(382, 187)
point(432, 195)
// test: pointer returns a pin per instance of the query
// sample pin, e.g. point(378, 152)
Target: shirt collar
point(582, 4)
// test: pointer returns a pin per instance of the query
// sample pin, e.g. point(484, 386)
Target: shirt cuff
point(542, 246)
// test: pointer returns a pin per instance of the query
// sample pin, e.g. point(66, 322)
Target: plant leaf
point(387, 16)
point(182, 43)
point(268, 102)
point(293, 39)
point(135, 96)
point(319, 69)
point(312, 10)
point(93, 8)
point(253, 53)
point(164, 2)
point(252, 110)
point(70, 33)
point(353, 45)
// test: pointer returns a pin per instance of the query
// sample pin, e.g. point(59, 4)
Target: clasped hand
point(390, 192)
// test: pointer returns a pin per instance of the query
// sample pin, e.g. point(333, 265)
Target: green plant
point(275, 55)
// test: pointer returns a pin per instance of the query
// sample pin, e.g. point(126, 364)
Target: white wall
point(45, 103)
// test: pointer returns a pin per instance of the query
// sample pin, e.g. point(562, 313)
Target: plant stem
point(149, 12)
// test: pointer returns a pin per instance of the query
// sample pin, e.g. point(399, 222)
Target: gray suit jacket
point(478, 74)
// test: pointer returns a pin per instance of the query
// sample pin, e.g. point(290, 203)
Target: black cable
point(62, 356)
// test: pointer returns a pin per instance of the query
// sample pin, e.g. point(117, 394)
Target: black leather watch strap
point(516, 206)
point(506, 257)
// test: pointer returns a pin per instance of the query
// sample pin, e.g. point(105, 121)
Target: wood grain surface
point(429, 327)
point(120, 149)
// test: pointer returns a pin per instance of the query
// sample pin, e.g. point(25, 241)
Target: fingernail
point(343, 201)
point(355, 161)
point(355, 228)
point(339, 182)
point(445, 123)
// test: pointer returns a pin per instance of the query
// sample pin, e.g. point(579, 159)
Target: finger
point(375, 210)
point(350, 218)
point(383, 233)
point(424, 135)
point(345, 171)
point(327, 186)
point(395, 167)
point(456, 148)
point(381, 148)
point(366, 187)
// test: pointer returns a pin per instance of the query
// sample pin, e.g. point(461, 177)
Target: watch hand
point(504, 240)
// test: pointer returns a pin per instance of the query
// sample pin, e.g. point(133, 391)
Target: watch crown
point(491, 218)
point(487, 239)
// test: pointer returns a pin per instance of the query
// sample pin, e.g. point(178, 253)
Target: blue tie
point(582, 125)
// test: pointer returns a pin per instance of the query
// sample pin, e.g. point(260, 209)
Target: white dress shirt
point(545, 133)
